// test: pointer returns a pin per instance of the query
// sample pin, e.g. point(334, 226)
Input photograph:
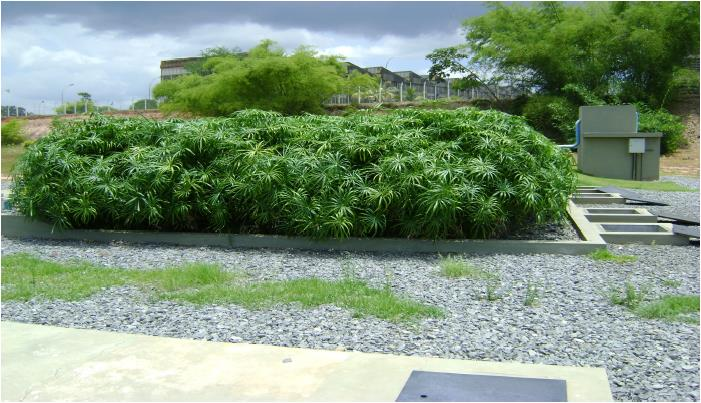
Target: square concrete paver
point(44, 363)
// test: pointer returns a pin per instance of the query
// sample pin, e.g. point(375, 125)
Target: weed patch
point(25, 277)
point(455, 268)
point(607, 256)
point(672, 307)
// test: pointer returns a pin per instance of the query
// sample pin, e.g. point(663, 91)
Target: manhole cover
point(446, 387)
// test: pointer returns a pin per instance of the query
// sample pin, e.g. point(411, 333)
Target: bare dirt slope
point(685, 161)
point(38, 126)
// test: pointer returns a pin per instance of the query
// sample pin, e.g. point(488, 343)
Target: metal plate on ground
point(424, 386)
point(686, 230)
point(681, 219)
point(627, 194)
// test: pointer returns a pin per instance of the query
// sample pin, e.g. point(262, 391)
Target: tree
point(197, 66)
point(358, 84)
point(410, 94)
point(264, 78)
point(12, 110)
point(84, 96)
point(455, 59)
point(628, 50)
point(139, 105)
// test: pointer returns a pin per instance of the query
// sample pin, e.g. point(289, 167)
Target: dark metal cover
point(425, 386)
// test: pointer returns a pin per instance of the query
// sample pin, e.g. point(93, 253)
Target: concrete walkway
point(44, 363)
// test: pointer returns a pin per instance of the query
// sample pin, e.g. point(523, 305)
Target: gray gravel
point(573, 324)
point(682, 180)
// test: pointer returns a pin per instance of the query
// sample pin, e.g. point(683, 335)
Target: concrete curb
point(15, 226)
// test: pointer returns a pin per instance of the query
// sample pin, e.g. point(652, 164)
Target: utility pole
point(401, 92)
point(448, 88)
point(9, 110)
point(149, 89)
point(424, 90)
point(62, 89)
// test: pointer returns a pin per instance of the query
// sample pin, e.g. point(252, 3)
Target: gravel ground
point(573, 324)
point(682, 180)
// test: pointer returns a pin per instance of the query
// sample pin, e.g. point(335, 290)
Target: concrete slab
point(597, 198)
point(619, 215)
point(646, 234)
point(44, 363)
point(17, 226)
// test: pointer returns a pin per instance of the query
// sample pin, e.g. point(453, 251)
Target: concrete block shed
point(611, 147)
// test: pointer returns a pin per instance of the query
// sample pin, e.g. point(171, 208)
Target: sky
point(112, 50)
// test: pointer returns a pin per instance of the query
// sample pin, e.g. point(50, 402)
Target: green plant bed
point(463, 173)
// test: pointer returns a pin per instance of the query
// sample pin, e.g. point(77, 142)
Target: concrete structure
point(17, 226)
point(641, 233)
point(626, 225)
point(611, 146)
point(619, 215)
point(176, 67)
point(43, 363)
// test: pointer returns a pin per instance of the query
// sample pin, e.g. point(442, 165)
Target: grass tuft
point(532, 298)
point(671, 283)
point(25, 277)
point(606, 255)
point(455, 268)
point(629, 297)
point(672, 307)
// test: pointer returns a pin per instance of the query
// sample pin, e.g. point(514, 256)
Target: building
point(176, 67)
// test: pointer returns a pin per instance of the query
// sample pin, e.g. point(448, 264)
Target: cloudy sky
point(113, 49)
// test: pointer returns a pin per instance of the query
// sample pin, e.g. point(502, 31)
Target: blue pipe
point(577, 134)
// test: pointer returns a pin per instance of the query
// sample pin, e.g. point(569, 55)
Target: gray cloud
point(113, 50)
point(175, 18)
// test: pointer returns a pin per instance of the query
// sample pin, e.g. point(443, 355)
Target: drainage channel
point(626, 225)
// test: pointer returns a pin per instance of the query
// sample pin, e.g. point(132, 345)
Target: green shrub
point(661, 121)
point(408, 173)
point(553, 116)
point(12, 132)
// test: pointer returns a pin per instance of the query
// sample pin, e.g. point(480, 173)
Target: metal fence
point(403, 92)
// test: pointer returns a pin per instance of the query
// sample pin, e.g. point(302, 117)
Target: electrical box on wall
point(636, 145)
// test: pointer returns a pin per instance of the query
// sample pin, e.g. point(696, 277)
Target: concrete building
point(176, 67)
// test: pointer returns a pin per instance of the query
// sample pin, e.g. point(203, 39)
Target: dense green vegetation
point(12, 132)
point(25, 277)
point(586, 54)
point(408, 173)
point(262, 78)
point(633, 51)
